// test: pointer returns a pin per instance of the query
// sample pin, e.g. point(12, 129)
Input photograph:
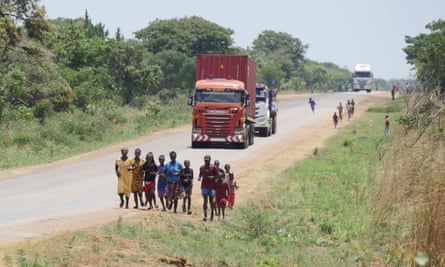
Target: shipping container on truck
point(223, 101)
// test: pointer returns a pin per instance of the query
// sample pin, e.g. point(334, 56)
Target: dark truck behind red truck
point(224, 100)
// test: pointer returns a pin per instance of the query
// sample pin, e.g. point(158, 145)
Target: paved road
point(88, 184)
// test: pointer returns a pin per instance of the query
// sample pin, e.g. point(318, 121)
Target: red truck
point(223, 101)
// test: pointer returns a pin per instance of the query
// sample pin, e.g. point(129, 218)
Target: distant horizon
point(344, 32)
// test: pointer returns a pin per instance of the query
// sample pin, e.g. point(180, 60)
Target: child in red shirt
point(231, 182)
point(222, 194)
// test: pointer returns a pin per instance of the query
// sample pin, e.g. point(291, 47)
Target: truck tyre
point(274, 125)
point(263, 132)
point(252, 135)
point(246, 138)
point(194, 145)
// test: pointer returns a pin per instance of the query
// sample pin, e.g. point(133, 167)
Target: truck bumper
point(236, 139)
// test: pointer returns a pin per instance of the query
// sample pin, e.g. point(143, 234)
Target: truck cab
point(265, 111)
point(362, 78)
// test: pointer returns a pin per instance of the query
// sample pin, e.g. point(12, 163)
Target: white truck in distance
point(362, 78)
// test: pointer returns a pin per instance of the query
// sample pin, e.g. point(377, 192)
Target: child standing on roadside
point(162, 181)
point(231, 182)
point(335, 119)
point(150, 172)
point(222, 195)
point(187, 183)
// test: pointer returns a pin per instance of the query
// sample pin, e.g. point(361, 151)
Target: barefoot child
point(150, 172)
point(187, 183)
point(231, 182)
point(222, 194)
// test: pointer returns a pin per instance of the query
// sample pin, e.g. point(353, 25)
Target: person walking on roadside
point(124, 177)
point(335, 120)
point(150, 172)
point(393, 92)
point(231, 182)
point(208, 173)
point(187, 183)
point(312, 104)
point(162, 181)
point(173, 170)
point(340, 111)
point(387, 124)
point(349, 109)
point(353, 105)
point(222, 195)
point(220, 174)
point(137, 185)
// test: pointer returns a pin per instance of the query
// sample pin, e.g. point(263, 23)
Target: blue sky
point(344, 32)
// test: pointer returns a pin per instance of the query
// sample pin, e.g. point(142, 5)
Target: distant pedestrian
point(393, 92)
point(353, 105)
point(349, 109)
point(187, 183)
point(124, 177)
point(150, 172)
point(387, 124)
point(233, 185)
point(137, 185)
point(335, 119)
point(312, 104)
point(340, 111)
point(175, 190)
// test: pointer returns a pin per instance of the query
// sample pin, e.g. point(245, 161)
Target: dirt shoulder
point(272, 162)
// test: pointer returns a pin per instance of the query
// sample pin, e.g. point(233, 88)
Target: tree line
point(63, 64)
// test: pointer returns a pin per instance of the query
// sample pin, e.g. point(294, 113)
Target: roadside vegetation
point(26, 141)
point(318, 213)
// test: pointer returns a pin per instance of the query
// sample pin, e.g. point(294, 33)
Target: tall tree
point(189, 35)
point(427, 53)
point(19, 20)
point(279, 43)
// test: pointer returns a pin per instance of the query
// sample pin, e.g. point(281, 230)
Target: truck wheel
point(274, 125)
point(252, 135)
point(263, 132)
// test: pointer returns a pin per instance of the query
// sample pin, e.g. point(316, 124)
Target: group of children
point(173, 181)
point(350, 107)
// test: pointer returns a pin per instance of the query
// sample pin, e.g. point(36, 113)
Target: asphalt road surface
point(43, 199)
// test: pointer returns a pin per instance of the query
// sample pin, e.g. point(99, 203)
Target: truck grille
point(217, 125)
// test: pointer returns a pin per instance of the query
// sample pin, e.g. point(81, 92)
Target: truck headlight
point(238, 131)
point(196, 131)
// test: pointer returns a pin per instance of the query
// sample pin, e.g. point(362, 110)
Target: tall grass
point(411, 191)
point(317, 213)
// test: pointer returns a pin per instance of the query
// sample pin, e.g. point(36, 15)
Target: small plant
point(25, 262)
point(256, 220)
point(347, 142)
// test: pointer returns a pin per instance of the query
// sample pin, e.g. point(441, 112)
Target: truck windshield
point(362, 74)
point(226, 96)
point(260, 95)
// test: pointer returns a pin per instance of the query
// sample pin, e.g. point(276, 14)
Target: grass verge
point(317, 213)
